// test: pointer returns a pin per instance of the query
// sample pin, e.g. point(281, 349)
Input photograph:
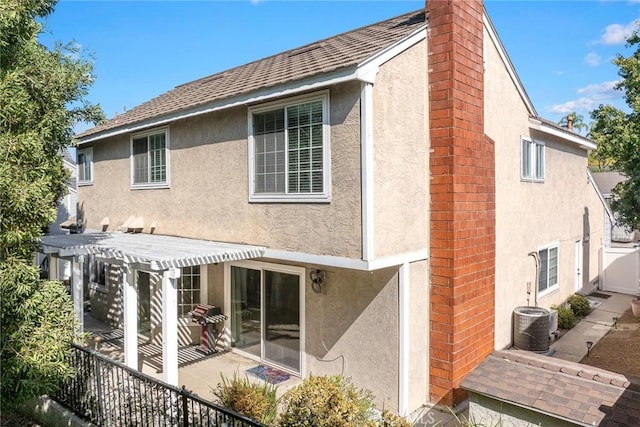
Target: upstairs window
point(532, 160)
point(149, 164)
point(548, 279)
point(85, 166)
point(289, 151)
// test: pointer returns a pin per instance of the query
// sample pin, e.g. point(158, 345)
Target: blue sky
point(562, 50)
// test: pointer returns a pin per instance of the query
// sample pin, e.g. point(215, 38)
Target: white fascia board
point(365, 72)
point(550, 130)
point(493, 35)
point(343, 262)
point(313, 83)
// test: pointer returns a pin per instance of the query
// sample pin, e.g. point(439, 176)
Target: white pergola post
point(170, 325)
point(77, 288)
point(130, 291)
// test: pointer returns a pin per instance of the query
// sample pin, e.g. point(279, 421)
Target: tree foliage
point(43, 96)
point(618, 136)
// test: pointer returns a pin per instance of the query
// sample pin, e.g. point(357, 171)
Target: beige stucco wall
point(530, 215)
point(401, 154)
point(352, 329)
point(208, 194)
point(418, 334)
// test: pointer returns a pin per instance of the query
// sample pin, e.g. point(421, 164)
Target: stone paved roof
point(586, 395)
point(332, 54)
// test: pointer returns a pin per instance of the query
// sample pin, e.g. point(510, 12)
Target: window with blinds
point(149, 159)
point(289, 145)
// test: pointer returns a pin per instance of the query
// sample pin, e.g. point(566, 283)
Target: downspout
point(536, 258)
point(366, 160)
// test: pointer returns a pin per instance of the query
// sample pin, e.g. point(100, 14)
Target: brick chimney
point(462, 166)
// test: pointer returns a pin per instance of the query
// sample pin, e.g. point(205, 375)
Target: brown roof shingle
point(332, 54)
point(578, 392)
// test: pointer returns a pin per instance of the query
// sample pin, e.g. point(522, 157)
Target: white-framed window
point(289, 154)
point(190, 289)
point(150, 159)
point(549, 257)
point(96, 274)
point(532, 165)
point(85, 166)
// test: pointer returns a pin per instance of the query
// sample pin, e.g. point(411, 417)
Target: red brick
point(462, 188)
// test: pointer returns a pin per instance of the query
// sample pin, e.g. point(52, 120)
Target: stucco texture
point(352, 329)
point(401, 153)
point(208, 194)
point(529, 215)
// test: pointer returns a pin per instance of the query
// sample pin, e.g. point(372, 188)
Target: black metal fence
point(108, 393)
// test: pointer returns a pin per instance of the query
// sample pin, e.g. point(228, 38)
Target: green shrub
point(327, 401)
point(389, 419)
point(565, 317)
point(254, 400)
point(579, 305)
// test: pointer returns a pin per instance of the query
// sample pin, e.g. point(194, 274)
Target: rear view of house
point(363, 205)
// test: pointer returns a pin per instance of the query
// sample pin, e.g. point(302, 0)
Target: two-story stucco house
point(366, 204)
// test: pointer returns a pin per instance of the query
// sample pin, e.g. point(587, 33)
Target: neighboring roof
point(601, 196)
point(606, 181)
point(581, 394)
point(342, 51)
point(159, 252)
point(67, 157)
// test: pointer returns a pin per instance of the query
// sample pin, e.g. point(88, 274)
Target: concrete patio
point(197, 372)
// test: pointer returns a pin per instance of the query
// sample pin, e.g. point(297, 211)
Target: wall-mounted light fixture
point(317, 280)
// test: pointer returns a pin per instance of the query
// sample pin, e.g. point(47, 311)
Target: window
point(532, 160)
point(189, 294)
point(95, 273)
point(85, 166)
point(289, 151)
point(548, 279)
point(149, 159)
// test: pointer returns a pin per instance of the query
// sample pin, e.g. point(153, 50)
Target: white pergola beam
point(170, 325)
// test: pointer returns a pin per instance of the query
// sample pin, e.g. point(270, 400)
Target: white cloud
point(592, 96)
point(618, 33)
point(593, 59)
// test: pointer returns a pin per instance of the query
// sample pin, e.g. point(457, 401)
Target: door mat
point(269, 374)
point(599, 295)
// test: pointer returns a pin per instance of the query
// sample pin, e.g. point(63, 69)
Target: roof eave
point(578, 140)
point(366, 71)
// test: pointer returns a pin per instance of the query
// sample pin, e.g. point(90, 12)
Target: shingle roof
point(332, 54)
point(586, 395)
point(606, 181)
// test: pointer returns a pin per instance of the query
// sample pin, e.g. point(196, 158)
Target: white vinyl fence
point(621, 270)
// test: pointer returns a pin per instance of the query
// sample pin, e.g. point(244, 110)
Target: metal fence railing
point(108, 393)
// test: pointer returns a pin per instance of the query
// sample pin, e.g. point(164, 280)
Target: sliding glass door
point(266, 316)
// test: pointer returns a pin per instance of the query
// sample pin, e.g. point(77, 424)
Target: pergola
point(163, 255)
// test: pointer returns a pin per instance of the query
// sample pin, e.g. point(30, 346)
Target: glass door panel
point(246, 312)
point(144, 303)
point(281, 332)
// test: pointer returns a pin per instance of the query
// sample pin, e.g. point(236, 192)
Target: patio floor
point(198, 372)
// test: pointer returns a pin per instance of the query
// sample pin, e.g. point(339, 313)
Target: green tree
point(42, 95)
point(618, 136)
